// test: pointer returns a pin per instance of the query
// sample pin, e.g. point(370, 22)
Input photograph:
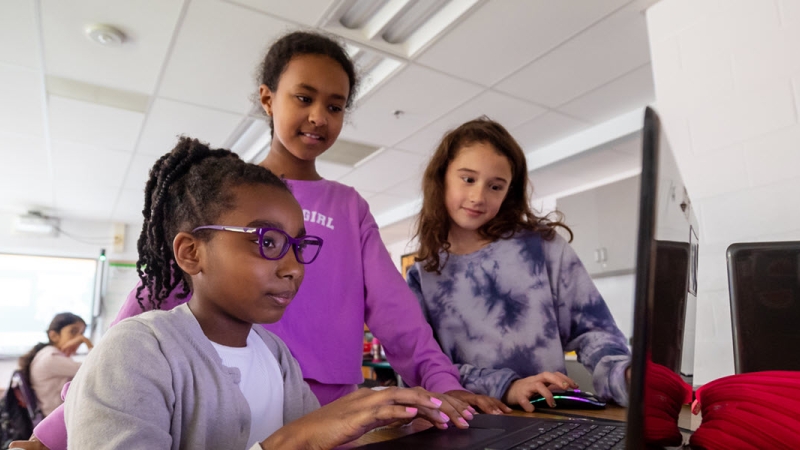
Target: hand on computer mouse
point(520, 391)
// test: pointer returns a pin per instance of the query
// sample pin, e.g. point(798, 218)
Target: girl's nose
point(289, 267)
point(476, 194)
point(318, 116)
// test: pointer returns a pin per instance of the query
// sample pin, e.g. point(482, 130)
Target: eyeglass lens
point(275, 245)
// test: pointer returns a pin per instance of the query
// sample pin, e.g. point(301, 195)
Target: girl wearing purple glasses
point(201, 375)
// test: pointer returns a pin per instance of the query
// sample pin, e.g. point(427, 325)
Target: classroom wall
point(727, 81)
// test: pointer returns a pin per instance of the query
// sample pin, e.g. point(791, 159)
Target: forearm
point(490, 382)
point(417, 357)
point(609, 378)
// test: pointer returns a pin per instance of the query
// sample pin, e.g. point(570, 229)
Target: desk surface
point(686, 421)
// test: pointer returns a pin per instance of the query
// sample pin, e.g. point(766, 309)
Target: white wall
point(618, 292)
point(727, 79)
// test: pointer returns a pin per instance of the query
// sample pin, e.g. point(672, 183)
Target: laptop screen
point(666, 282)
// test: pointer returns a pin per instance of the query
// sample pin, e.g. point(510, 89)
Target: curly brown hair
point(515, 215)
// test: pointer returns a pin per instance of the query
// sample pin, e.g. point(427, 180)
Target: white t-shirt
point(261, 384)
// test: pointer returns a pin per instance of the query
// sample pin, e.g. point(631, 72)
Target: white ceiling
point(545, 69)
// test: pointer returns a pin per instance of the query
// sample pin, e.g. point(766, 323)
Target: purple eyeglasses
point(274, 243)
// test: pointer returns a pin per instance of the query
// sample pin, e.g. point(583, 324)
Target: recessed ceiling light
point(105, 35)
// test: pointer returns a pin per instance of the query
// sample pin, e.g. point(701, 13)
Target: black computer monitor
point(764, 282)
point(666, 276)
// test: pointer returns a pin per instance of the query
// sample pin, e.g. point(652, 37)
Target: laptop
point(666, 284)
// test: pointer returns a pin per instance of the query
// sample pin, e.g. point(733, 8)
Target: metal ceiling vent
point(402, 27)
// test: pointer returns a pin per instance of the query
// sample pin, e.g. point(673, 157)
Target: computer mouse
point(570, 399)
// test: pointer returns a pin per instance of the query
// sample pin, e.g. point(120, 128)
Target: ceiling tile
point(26, 191)
point(23, 155)
point(503, 36)
point(600, 54)
point(139, 171)
point(21, 106)
point(169, 119)
point(410, 189)
point(421, 94)
point(216, 54)
point(19, 37)
point(93, 124)
point(84, 202)
point(384, 170)
point(306, 12)
point(510, 112)
point(129, 206)
point(380, 203)
point(332, 171)
point(134, 66)
point(82, 165)
point(628, 92)
point(545, 129)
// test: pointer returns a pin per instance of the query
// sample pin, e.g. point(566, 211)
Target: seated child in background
point(48, 366)
point(201, 375)
point(504, 292)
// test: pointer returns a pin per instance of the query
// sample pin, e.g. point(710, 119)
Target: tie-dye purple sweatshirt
point(511, 310)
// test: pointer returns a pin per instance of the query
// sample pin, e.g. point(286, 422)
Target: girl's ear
point(186, 249)
point(53, 336)
point(266, 98)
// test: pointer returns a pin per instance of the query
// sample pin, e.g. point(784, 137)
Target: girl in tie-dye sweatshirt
point(505, 294)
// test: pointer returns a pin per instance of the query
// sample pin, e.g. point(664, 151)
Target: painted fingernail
point(445, 417)
point(412, 411)
point(497, 411)
point(467, 414)
point(462, 421)
point(436, 401)
point(472, 410)
point(565, 385)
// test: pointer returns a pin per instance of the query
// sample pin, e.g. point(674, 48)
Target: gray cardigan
point(156, 382)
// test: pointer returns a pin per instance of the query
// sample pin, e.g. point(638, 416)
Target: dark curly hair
point(304, 43)
point(58, 323)
point(433, 223)
point(188, 187)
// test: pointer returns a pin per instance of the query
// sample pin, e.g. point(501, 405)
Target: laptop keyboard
point(576, 436)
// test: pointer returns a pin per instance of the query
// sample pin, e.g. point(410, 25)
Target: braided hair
point(188, 187)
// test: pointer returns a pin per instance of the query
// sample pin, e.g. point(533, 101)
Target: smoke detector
point(105, 35)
